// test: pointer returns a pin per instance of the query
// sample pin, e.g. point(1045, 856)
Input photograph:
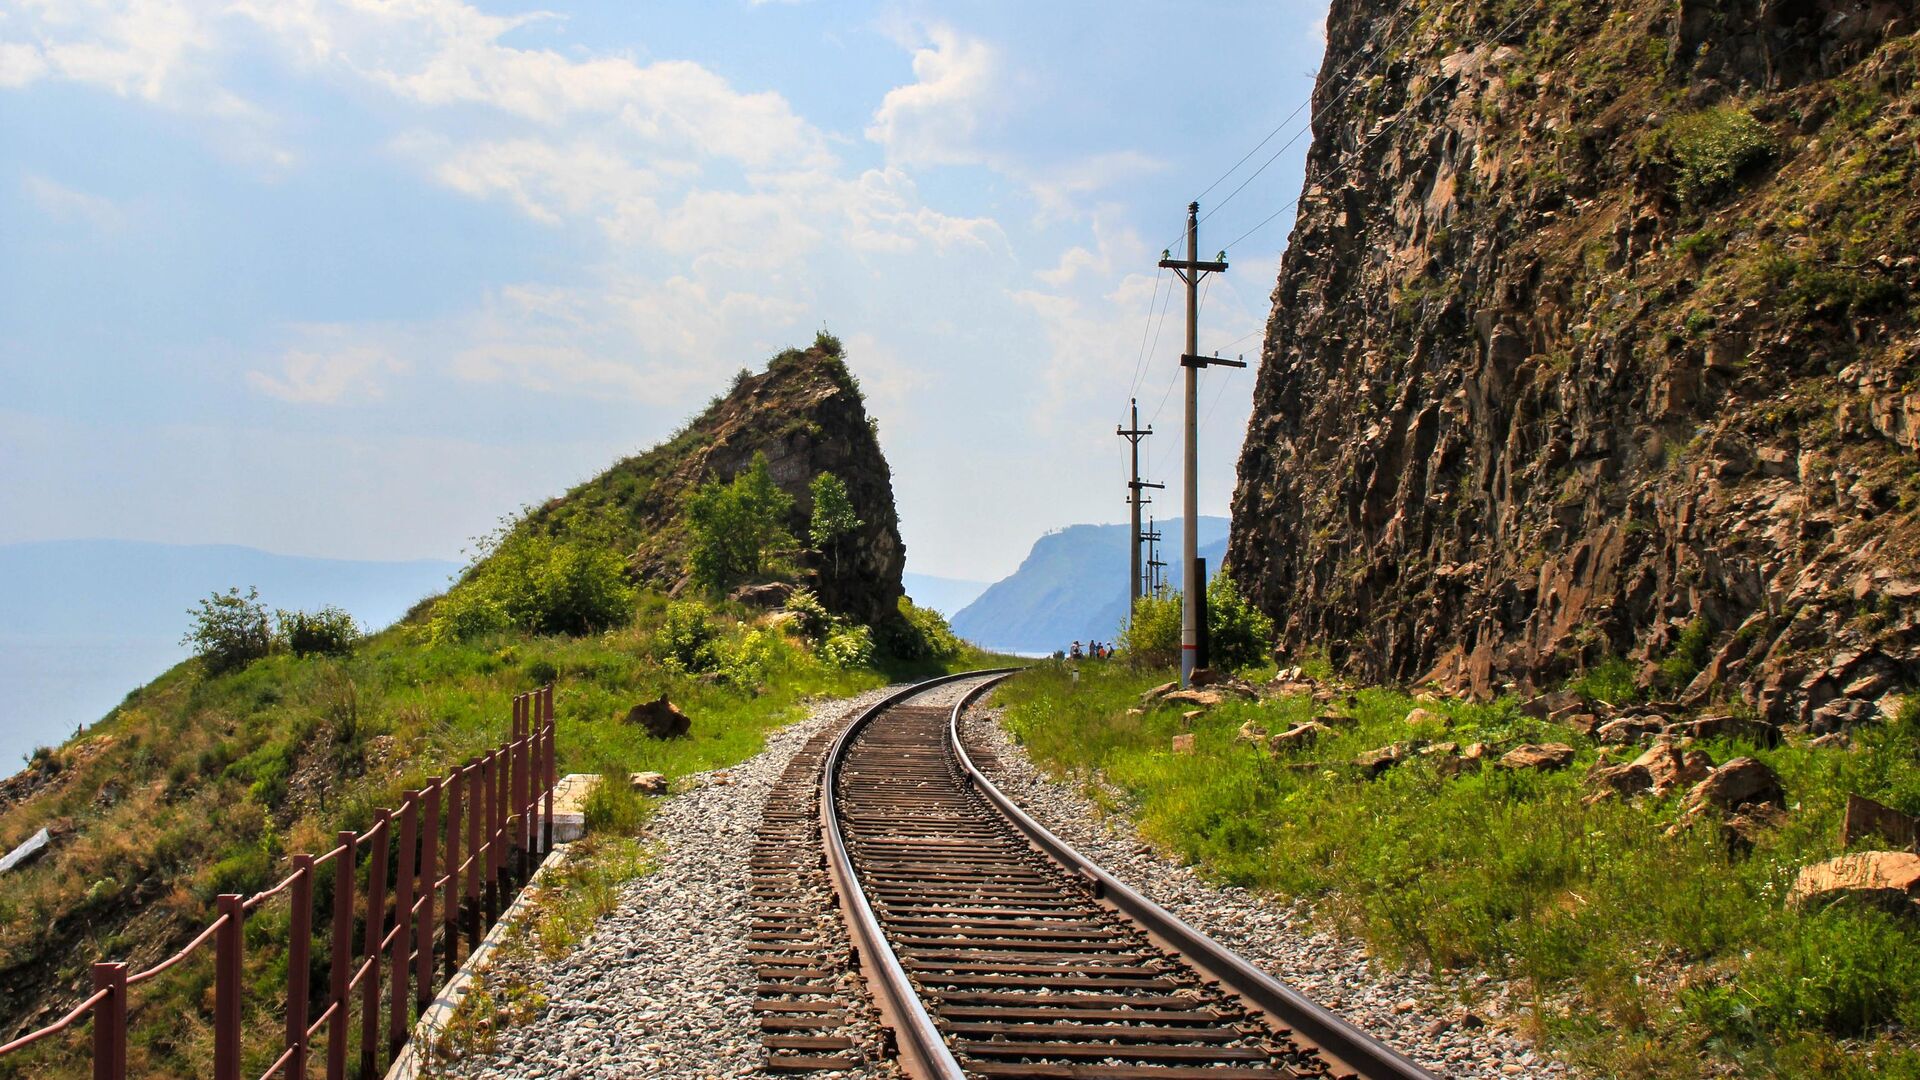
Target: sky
point(356, 278)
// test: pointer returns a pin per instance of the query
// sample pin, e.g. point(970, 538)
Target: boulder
point(1629, 729)
point(1206, 676)
point(1189, 718)
point(1865, 818)
point(1426, 722)
point(1298, 737)
point(1154, 696)
point(1739, 783)
point(1183, 744)
point(661, 718)
point(1669, 768)
point(1374, 762)
point(1204, 699)
point(1542, 757)
point(768, 596)
point(1618, 781)
point(648, 783)
point(1888, 879)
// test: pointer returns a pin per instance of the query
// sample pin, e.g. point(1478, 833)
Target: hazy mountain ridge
point(1071, 586)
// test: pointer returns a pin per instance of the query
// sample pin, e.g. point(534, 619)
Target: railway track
point(994, 950)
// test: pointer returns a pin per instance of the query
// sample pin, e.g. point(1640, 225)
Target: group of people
point(1096, 650)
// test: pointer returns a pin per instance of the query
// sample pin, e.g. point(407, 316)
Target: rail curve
point(993, 949)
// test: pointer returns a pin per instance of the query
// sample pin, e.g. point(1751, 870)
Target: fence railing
point(467, 841)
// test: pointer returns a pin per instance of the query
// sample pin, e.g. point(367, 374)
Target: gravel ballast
point(663, 986)
point(1403, 1008)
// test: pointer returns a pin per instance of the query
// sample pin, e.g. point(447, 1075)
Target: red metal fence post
point(400, 957)
point(376, 921)
point(429, 883)
point(450, 915)
point(227, 970)
point(476, 809)
point(491, 882)
point(299, 964)
point(110, 1023)
point(547, 776)
point(516, 777)
point(342, 956)
point(521, 742)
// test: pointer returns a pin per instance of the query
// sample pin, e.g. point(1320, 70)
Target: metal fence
point(466, 843)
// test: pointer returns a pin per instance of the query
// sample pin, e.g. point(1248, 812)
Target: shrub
point(847, 647)
point(1688, 655)
point(612, 805)
point(813, 619)
point(754, 658)
point(229, 631)
point(1238, 634)
point(542, 584)
point(736, 525)
point(1711, 149)
point(920, 634)
point(1611, 681)
point(1152, 636)
point(687, 639)
point(327, 632)
point(833, 516)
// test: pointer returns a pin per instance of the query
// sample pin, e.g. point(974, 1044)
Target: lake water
point(53, 686)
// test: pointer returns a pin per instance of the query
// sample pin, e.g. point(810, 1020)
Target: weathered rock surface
point(768, 596)
point(1532, 394)
point(1543, 757)
point(661, 718)
point(805, 413)
point(1888, 879)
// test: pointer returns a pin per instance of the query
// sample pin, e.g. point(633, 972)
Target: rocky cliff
point(806, 414)
point(1595, 337)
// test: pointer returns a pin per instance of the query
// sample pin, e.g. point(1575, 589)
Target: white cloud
point(63, 203)
point(328, 378)
point(20, 64)
point(935, 119)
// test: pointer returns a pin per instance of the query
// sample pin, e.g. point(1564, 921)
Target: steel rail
point(923, 1052)
point(1344, 1046)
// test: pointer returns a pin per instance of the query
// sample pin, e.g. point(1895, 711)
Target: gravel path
point(662, 987)
point(1404, 1009)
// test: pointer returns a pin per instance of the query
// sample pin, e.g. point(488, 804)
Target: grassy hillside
point(1636, 952)
point(205, 780)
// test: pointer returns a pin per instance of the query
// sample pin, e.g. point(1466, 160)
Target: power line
point(1377, 135)
point(1140, 362)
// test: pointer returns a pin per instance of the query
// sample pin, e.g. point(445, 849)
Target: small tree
point(230, 631)
point(327, 632)
point(736, 525)
point(833, 516)
point(1238, 634)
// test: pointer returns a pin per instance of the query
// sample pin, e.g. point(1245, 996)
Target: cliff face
point(806, 414)
point(1597, 324)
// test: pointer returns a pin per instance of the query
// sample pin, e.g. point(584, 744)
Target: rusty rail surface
point(469, 861)
point(997, 950)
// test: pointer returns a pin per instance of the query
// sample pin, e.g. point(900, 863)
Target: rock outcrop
point(806, 414)
point(1595, 337)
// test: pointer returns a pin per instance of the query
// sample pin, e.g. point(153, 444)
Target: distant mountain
point(1072, 586)
point(944, 595)
point(83, 621)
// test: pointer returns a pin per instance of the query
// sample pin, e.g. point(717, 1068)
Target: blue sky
point(354, 278)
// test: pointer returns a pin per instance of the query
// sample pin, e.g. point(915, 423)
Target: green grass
point(1513, 874)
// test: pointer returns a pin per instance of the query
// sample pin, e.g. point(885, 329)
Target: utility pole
point(1191, 270)
point(1152, 538)
point(1135, 485)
